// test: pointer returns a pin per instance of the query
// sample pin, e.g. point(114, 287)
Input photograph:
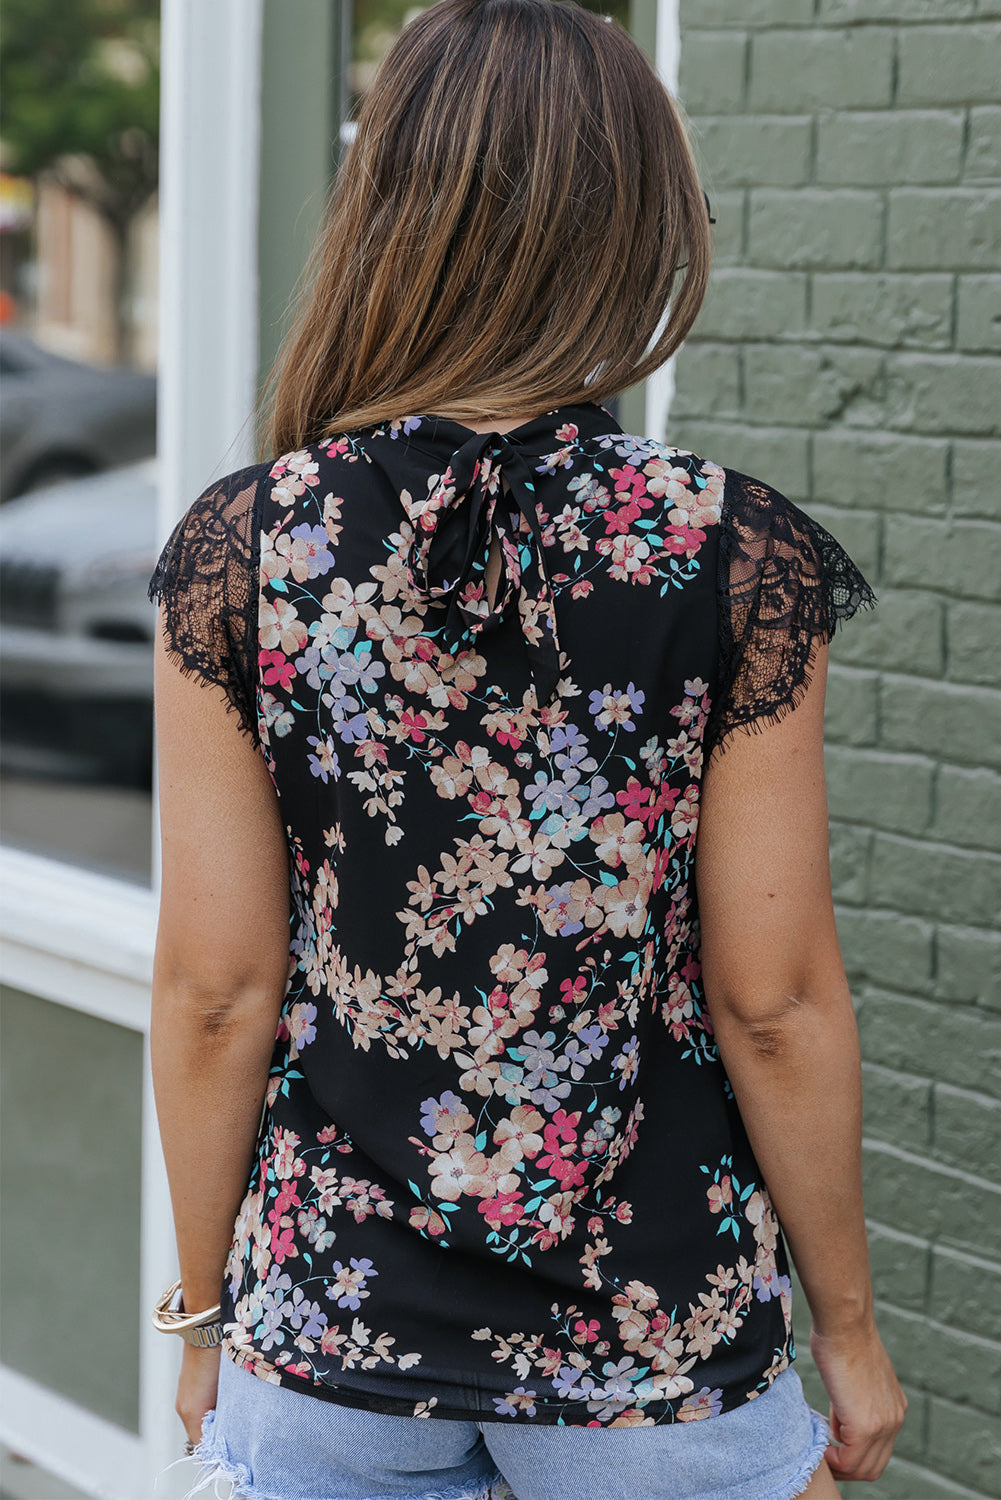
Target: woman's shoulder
point(214, 537)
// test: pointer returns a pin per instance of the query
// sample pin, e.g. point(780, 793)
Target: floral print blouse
point(501, 1173)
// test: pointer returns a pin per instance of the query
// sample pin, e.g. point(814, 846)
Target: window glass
point(79, 106)
point(70, 1175)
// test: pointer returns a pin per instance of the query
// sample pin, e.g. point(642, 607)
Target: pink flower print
point(279, 626)
point(505, 1209)
point(283, 1241)
point(277, 669)
point(628, 480)
point(363, 1198)
point(287, 1198)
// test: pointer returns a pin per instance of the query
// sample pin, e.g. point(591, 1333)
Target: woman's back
point(501, 1172)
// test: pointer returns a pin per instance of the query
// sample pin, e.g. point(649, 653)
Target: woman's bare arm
point(785, 1025)
point(220, 965)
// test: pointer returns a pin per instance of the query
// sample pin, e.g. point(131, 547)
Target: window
point(78, 390)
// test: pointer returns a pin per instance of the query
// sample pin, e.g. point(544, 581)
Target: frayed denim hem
point(812, 1461)
point(218, 1466)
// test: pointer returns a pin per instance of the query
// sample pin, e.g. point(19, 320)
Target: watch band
point(204, 1336)
point(203, 1329)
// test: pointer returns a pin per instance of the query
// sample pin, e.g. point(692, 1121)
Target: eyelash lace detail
point(206, 580)
point(783, 585)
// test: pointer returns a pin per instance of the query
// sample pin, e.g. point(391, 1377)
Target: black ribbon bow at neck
point(486, 492)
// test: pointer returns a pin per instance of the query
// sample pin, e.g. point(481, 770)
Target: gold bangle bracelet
point(202, 1328)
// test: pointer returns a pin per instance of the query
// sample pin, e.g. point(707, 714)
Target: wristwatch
point(204, 1329)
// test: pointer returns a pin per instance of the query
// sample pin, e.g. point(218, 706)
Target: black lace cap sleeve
point(206, 579)
point(784, 583)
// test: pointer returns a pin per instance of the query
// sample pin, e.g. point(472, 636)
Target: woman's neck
point(499, 424)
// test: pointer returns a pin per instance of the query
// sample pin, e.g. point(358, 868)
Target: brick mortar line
point(880, 994)
point(826, 28)
point(976, 1095)
point(955, 1174)
point(908, 912)
point(902, 679)
point(906, 1467)
point(905, 1073)
point(977, 851)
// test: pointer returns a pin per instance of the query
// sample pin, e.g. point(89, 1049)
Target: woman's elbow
point(218, 1000)
point(771, 1019)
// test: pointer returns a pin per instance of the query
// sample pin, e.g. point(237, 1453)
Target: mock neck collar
point(574, 421)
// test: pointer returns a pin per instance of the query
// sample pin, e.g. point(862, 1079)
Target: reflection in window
point(78, 349)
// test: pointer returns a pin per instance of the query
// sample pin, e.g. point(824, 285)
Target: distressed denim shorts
point(266, 1442)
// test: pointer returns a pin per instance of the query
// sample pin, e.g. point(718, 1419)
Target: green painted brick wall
point(849, 353)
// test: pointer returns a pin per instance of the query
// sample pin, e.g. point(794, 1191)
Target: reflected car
point(76, 628)
point(60, 419)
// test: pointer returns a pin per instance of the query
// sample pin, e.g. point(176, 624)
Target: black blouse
point(501, 1172)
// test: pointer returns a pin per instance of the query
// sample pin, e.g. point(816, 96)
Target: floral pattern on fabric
point(538, 1202)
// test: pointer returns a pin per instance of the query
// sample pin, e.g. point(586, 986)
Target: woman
point(499, 1015)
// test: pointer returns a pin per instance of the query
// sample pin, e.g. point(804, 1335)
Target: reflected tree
point(79, 103)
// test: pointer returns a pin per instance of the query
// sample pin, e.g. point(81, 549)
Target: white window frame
point(667, 57)
point(84, 940)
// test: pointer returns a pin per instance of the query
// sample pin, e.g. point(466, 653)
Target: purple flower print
point(349, 722)
point(706, 1401)
point(436, 1113)
point(618, 1387)
point(305, 1315)
point(613, 706)
point(357, 669)
point(565, 1383)
point(628, 1061)
point(542, 1069)
point(559, 895)
point(300, 1024)
point(770, 1284)
point(313, 1227)
point(509, 1405)
point(324, 763)
point(315, 545)
point(312, 663)
point(278, 1283)
point(567, 737)
point(348, 1287)
point(271, 1327)
point(584, 1049)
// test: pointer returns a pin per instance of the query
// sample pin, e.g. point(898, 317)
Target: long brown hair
point(505, 232)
